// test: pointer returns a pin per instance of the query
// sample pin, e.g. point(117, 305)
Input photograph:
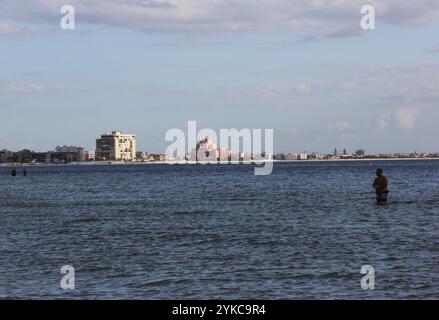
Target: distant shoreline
point(365, 159)
point(109, 163)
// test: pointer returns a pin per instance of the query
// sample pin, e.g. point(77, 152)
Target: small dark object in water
point(24, 172)
point(382, 198)
point(14, 172)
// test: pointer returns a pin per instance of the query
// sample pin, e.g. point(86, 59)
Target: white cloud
point(25, 88)
point(403, 118)
point(327, 18)
point(281, 94)
point(302, 88)
point(433, 49)
point(339, 126)
point(432, 88)
point(406, 118)
point(11, 29)
point(343, 126)
point(383, 120)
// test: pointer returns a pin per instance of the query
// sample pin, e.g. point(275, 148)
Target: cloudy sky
point(304, 68)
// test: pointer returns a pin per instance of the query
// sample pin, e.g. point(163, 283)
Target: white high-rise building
point(116, 146)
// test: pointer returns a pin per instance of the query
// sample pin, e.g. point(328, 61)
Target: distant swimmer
point(24, 172)
point(13, 172)
point(380, 185)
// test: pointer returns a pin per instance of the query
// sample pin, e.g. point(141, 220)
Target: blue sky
point(303, 68)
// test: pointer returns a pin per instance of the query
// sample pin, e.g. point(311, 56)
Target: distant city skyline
point(305, 69)
point(334, 151)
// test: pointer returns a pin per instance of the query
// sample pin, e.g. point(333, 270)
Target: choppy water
point(218, 231)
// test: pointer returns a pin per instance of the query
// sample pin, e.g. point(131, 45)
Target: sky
point(305, 69)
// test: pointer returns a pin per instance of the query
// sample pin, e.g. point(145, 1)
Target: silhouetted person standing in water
point(381, 187)
point(24, 172)
point(14, 172)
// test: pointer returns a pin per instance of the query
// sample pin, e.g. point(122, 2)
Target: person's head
point(379, 172)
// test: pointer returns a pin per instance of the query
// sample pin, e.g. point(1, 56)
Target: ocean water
point(219, 231)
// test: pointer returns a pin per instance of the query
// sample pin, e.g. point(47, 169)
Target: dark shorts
point(382, 197)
